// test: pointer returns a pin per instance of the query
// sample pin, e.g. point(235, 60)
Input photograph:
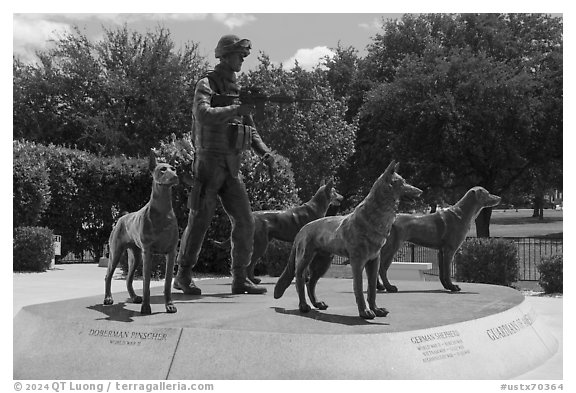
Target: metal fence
point(530, 251)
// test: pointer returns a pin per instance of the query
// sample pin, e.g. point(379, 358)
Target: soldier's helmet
point(231, 44)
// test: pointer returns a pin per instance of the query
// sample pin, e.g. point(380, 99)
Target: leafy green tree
point(464, 100)
point(120, 95)
point(342, 69)
point(315, 138)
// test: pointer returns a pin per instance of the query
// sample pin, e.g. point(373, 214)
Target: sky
point(285, 31)
point(284, 37)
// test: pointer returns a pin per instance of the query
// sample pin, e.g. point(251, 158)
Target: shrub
point(550, 269)
point(180, 154)
point(33, 249)
point(31, 188)
point(488, 261)
point(265, 193)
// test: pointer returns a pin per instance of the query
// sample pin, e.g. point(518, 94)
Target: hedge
point(487, 260)
point(33, 249)
point(31, 190)
point(80, 195)
point(551, 274)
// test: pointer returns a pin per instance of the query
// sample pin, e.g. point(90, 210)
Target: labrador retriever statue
point(443, 230)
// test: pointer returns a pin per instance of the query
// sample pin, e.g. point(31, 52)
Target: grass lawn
point(512, 223)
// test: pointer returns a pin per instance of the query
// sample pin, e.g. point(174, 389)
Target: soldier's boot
point(241, 284)
point(251, 276)
point(183, 281)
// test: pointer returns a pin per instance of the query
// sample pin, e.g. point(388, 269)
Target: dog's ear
point(330, 185)
point(152, 161)
point(322, 182)
point(477, 191)
point(390, 171)
point(396, 167)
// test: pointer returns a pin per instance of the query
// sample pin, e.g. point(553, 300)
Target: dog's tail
point(287, 275)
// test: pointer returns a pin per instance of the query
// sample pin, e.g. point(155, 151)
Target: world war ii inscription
point(440, 345)
point(448, 344)
point(127, 337)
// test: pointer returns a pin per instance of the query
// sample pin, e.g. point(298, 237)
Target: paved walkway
point(76, 281)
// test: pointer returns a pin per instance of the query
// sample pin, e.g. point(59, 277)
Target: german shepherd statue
point(443, 230)
point(358, 236)
point(284, 224)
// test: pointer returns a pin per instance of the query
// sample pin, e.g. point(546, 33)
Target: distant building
point(555, 198)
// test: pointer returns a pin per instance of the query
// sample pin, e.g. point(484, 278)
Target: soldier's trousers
point(213, 180)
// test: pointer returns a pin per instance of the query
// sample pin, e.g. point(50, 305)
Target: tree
point(120, 95)
point(315, 138)
point(341, 70)
point(462, 104)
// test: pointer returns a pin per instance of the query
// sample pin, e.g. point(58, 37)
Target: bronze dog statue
point(150, 230)
point(358, 236)
point(284, 224)
point(443, 230)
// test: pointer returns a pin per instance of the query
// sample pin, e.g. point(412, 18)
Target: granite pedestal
point(482, 332)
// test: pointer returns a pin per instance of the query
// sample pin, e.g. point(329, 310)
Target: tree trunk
point(483, 222)
point(538, 207)
point(541, 214)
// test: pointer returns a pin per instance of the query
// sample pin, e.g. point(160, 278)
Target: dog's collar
point(456, 211)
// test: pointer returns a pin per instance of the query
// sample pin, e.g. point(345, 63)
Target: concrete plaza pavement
point(76, 281)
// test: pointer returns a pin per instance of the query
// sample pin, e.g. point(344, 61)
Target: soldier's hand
point(246, 109)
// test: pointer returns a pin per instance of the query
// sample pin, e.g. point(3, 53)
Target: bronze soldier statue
point(220, 134)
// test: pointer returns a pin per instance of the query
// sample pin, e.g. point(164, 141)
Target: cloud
point(120, 19)
point(163, 17)
point(374, 24)
point(32, 32)
point(308, 58)
point(233, 21)
point(181, 17)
